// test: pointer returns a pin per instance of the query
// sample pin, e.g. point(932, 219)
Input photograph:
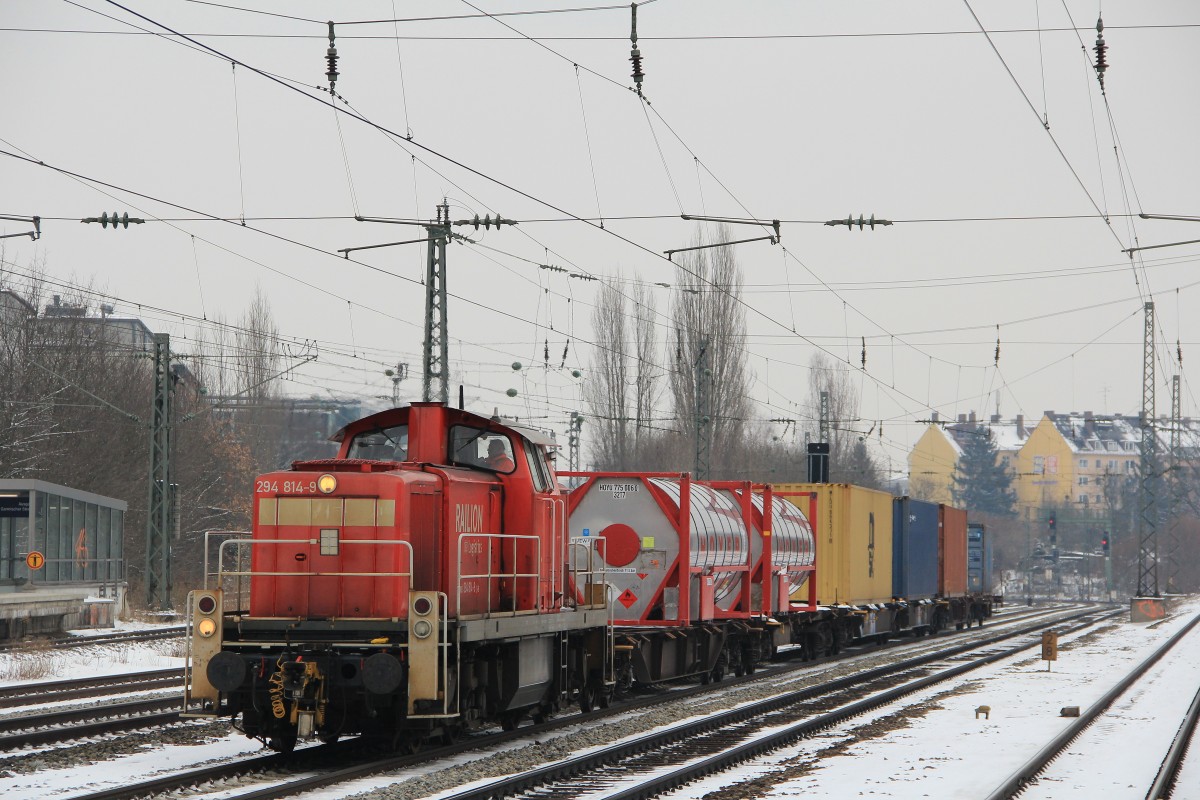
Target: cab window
point(537, 467)
point(381, 444)
point(481, 449)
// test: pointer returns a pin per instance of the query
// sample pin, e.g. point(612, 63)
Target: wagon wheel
point(587, 698)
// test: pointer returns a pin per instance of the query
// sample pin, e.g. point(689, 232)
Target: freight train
point(438, 577)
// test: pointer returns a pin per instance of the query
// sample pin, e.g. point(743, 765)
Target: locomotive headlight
point(206, 627)
point(422, 628)
point(326, 483)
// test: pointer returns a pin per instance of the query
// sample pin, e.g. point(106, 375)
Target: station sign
point(14, 504)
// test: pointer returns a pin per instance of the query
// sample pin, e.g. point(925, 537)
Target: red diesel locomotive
point(415, 586)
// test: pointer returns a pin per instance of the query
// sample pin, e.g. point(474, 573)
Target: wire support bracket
point(34, 234)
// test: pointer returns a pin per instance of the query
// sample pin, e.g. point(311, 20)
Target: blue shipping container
point(914, 549)
point(979, 559)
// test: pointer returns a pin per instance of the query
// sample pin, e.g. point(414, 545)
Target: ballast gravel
point(565, 743)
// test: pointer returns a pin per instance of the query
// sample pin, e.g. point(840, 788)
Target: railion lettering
point(468, 518)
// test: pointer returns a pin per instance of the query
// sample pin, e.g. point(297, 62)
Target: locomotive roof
point(398, 416)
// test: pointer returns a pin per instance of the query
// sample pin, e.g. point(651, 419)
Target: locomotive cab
point(411, 587)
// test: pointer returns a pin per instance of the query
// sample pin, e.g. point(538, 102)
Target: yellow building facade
point(932, 465)
point(1065, 461)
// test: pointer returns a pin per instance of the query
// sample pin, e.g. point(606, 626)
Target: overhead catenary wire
point(1054, 141)
point(700, 37)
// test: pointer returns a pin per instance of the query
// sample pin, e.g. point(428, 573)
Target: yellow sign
point(35, 560)
point(1049, 646)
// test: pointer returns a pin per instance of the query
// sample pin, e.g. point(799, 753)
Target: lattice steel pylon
point(436, 352)
point(158, 505)
point(1147, 585)
point(1175, 491)
point(573, 436)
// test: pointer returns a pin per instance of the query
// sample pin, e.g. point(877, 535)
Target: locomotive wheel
point(453, 732)
point(284, 743)
point(509, 720)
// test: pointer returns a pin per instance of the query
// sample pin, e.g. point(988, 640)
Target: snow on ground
point(59, 784)
point(940, 749)
point(1120, 754)
point(39, 664)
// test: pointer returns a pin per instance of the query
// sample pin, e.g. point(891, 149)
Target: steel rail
point(1164, 781)
point(1029, 772)
point(67, 642)
point(571, 768)
point(176, 781)
point(16, 741)
point(49, 691)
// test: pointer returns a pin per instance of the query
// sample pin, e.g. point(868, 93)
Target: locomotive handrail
point(221, 574)
point(558, 528)
point(589, 545)
point(536, 577)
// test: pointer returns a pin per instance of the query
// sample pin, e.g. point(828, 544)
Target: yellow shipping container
point(853, 532)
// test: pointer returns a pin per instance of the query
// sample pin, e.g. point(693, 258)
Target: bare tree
point(607, 388)
point(709, 318)
point(257, 355)
point(647, 383)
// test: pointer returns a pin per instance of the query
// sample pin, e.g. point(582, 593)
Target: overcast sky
point(802, 112)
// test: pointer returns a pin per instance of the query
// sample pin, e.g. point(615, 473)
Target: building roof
point(1083, 432)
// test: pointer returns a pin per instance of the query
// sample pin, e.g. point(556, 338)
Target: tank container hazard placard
point(627, 598)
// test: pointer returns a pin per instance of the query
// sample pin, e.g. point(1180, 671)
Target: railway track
point(59, 726)
point(68, 642)
point(314, 757)
point(1168, 772)
point(666, 760)
point(74, 689)
point(48, 726)
point(1025, 777)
